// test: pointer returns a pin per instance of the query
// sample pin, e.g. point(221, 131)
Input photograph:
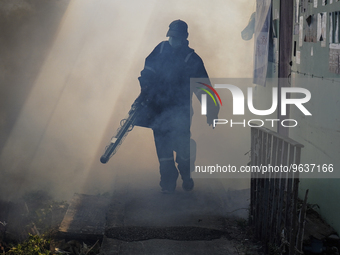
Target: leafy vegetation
point(35, 245)
point(32, 224)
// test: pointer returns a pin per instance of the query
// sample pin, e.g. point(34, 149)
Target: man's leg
point(168, 170)
point(185, 158)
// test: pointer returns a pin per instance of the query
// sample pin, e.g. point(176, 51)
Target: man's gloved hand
point(212, 113)
point(210, 119)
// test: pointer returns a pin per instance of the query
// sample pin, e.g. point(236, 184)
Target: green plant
point(35, 245)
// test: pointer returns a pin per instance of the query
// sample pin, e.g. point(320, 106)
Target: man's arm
point(213, 107)
point(149, 74)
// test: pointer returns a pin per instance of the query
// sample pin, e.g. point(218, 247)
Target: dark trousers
point(173, 135)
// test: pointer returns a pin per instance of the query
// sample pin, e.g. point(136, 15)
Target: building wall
point(319, 133)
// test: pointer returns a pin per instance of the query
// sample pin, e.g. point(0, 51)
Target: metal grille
point(274, 212)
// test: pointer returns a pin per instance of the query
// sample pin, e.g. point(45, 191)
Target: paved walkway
point(141, 220)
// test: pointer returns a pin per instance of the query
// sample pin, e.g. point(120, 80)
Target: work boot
point(167, 191)
point(184, 169)
point(169, 175)
point(188, 184)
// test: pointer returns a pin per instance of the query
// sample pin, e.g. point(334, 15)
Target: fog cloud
point(87, 82)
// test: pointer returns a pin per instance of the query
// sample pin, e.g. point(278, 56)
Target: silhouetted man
point(165, 81)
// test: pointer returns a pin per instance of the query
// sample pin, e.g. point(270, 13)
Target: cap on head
point(178, 28)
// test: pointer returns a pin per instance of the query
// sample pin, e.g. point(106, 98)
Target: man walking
point(165, 83)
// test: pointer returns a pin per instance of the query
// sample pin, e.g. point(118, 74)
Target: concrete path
point(142, 220)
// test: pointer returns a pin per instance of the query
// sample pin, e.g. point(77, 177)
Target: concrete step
point(142, 220)
point(139, 219)
point(221, 246)
point(183, 233)
point(85, 218)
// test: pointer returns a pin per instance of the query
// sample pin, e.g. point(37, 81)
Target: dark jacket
point(165, 81)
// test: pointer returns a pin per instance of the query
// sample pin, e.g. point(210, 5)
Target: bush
point(35, 245)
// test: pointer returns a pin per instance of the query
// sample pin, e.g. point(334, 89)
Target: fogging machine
point(126, 125)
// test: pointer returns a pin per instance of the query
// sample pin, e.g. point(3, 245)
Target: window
point(334, 19)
